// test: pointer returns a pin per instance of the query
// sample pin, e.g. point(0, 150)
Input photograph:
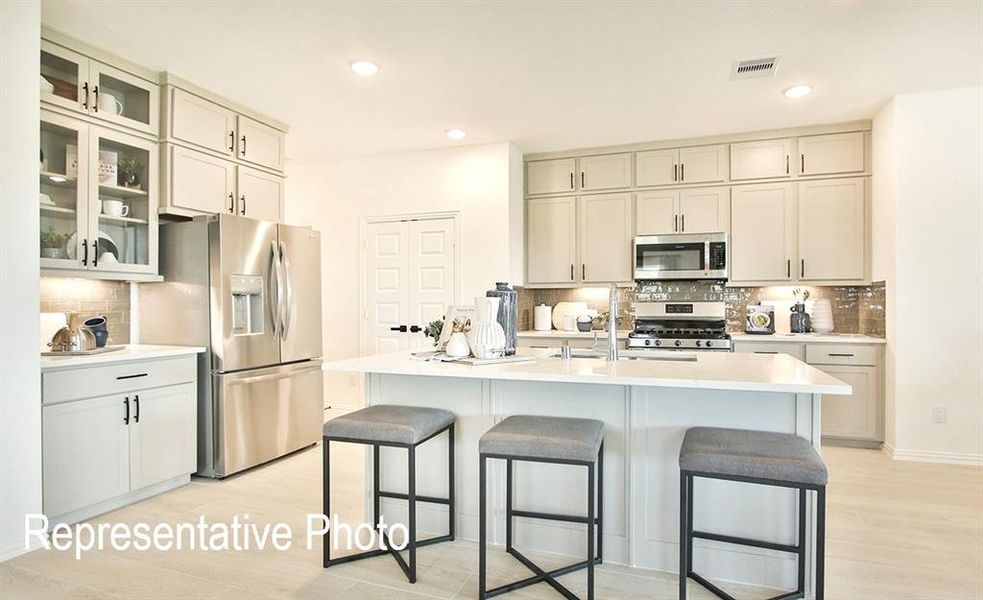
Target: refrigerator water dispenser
point(247, 304)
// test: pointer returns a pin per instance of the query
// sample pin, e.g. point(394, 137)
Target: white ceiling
point(544, 75)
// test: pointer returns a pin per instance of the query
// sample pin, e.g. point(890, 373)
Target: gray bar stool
point(761, 457)
point(399, 427)
point(543, 440)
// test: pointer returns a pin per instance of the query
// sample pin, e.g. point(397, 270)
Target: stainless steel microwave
point(681, 256)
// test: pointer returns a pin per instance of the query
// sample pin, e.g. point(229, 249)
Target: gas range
point(680, 325)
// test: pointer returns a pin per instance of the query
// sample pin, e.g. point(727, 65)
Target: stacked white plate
point(822, 316)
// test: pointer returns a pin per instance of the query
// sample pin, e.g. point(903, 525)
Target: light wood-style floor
point(897, 531)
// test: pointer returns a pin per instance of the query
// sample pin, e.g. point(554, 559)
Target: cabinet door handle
point(135, 376)
point(764, 352)
point(95, 253)
point(126, 416)
point(232, 141)
point(844, 355)
point(802, 165)
point(571, 271)
point(786, 164)
point(232, 203)
point(682, 222)
point(675, 171)
point(675, 222)
point(583, 271)
point(582, 180)
point(242, 200)
point(95, 100)
point(682, 172)
point(802, 268)
point(85, 252)
point(788, 267)
point(571, 180)
point(243, 145)
point(85, 95)
point(136, 403)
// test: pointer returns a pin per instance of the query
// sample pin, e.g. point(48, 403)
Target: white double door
point(410, 275)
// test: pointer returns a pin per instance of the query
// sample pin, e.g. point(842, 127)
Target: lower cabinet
point(95, 450)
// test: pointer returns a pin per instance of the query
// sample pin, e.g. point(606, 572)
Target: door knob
point(415, 328)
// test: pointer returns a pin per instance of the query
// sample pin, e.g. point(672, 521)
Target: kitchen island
point(646, 406)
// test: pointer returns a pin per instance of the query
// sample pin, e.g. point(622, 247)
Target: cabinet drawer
point(74, 384)
point(841, 354)
point(796, 350)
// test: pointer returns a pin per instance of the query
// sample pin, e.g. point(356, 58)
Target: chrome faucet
point(613, 323)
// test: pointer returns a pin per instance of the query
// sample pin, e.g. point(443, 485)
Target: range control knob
point(679, 343)
point(658, 342)
point(708, 343)
point(648, 342)
point(698, 344)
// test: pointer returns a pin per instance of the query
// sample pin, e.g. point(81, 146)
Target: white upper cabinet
point(200, 182)
point(655, 212)
point(832, 230)
point(67, 73)
point(702, 164)
point(762, 233)
point(761, 159)
point(605, 238)
point(831, 154)
point(550, 176)
point(551, 238)
point(260, 144)
point(656, 167)
point(606, 172)
point(704, 210)
point(260, 194)
point(202, 122)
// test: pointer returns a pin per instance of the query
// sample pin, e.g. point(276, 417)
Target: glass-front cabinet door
point(64, 77)
point(122, 219)
point(63, 199)
point(122, 98)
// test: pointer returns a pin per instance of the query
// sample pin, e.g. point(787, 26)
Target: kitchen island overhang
point(646, 406)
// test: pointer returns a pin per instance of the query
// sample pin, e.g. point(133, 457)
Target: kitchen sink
point(669, 355)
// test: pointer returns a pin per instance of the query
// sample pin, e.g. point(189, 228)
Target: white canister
point(543, 318)
point(487, 336)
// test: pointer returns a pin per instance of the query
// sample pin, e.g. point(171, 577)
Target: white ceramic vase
point(487, 336)
point(457, 345)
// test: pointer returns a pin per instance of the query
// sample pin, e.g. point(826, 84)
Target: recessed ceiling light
point(365, 68)
point(798, 91)
point(455, 133)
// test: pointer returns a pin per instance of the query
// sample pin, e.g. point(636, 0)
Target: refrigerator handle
point(275, 286)
point(287, 298)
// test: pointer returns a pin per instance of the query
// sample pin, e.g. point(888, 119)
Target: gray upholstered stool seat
point(748, 453)
point(550, 438)
point(389, 424)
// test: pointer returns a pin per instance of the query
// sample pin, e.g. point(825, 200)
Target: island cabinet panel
point(831, 154)
point(551, 238)
point(762, 159)
point(763, 233)
point(605, 238)
point(605, 172)
point(551, 176)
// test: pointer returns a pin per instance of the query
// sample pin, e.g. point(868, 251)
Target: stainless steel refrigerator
point(250, 291)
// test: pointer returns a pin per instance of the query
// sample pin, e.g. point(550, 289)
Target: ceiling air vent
point(755, 67)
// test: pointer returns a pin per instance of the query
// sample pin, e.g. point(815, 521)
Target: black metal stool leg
point(508, 505)
point(820, 582)
point(801, 545)
point(326, 500)
point(689, 524)
point(411, 501)
point(451, 506)
point(481, 527)
point(600, 503)
point(591, 484)
point(376, 476)
point(683, 534)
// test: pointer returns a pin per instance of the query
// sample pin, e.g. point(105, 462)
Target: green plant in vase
point(128, 172)
point(53, 243)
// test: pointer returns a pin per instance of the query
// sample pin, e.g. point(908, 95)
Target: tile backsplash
point(91, 298)
point(856, 309)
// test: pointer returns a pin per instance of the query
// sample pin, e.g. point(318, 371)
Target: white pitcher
point(487, 336)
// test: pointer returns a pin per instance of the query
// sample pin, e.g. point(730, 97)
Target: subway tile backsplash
point(856, 309)
point(91, 298)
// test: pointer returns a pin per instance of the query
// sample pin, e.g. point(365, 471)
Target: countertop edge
point(131, 353)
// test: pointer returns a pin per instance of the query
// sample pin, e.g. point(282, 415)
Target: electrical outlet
point(939, 414)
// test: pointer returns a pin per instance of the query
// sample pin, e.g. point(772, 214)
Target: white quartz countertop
point(809, 338)
point(130, 353)
point(711, 370)
point(558, 334)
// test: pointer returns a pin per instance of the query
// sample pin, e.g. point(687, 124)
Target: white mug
point(115, 208)
point(108, 258)
point(110, 103)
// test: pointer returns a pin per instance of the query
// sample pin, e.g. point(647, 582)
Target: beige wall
point(934, 190)
point(20, 385)
point(477, 182)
